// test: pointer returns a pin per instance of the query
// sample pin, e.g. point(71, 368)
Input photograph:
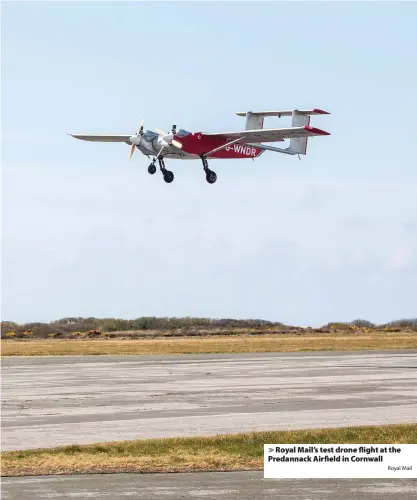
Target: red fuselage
point(199, 144)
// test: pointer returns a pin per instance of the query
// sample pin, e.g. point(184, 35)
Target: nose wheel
point(152, 168)
point(211, 177)
point(167, 174)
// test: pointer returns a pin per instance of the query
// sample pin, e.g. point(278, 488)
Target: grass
point(224, 452)
point(220, 344)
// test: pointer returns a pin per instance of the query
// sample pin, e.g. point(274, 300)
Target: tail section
point(300, 118)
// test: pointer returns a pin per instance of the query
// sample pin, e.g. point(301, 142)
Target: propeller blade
point(161, 132)
point(176, 144)
point(140, 132)
point(132, 150)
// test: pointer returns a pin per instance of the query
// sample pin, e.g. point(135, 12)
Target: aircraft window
point(182, 133)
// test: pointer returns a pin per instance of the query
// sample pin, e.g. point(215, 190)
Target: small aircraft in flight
point(184, 145)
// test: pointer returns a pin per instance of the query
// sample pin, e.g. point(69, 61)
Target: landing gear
point(211, 177)
point(167, 174)
point(152, 168)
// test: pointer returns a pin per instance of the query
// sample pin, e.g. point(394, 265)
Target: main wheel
point(168, 176)
point(211, 177)
point(152, 168)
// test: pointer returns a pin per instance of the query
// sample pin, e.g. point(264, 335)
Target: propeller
point(167, 139)
point(135, 139)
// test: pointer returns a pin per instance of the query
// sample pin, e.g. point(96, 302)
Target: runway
point(51, 401)
point(220, 485)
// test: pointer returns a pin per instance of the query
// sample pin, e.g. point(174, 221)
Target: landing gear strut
point(167, 174)
point(211, 177)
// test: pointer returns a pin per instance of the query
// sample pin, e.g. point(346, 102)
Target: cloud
point(402, 257)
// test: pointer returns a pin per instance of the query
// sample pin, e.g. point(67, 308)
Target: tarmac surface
point(209, 485)
point(51, 401)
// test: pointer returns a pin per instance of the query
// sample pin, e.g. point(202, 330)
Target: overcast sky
point(88, 233)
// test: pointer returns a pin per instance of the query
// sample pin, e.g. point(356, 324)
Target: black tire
point(152, 168)
point(168, 176)
point(211, 177)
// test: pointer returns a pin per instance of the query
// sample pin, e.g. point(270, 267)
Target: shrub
point(94, 333)
point(338, 326)
point(363, 323)
point(403, 323)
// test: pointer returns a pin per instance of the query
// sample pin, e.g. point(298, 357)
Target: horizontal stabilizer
point(284, 113)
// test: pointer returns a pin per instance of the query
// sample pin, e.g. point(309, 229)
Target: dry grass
point(220, 344)
point(224, 452)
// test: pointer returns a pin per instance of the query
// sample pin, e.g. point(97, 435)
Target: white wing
point(102, 138)
point(270, 135)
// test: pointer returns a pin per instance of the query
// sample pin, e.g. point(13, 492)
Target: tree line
point(73, 324)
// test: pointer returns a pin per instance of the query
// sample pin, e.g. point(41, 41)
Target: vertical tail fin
point(299, 146)
point(254, 121)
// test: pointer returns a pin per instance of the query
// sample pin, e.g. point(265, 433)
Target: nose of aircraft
point(135, 139)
